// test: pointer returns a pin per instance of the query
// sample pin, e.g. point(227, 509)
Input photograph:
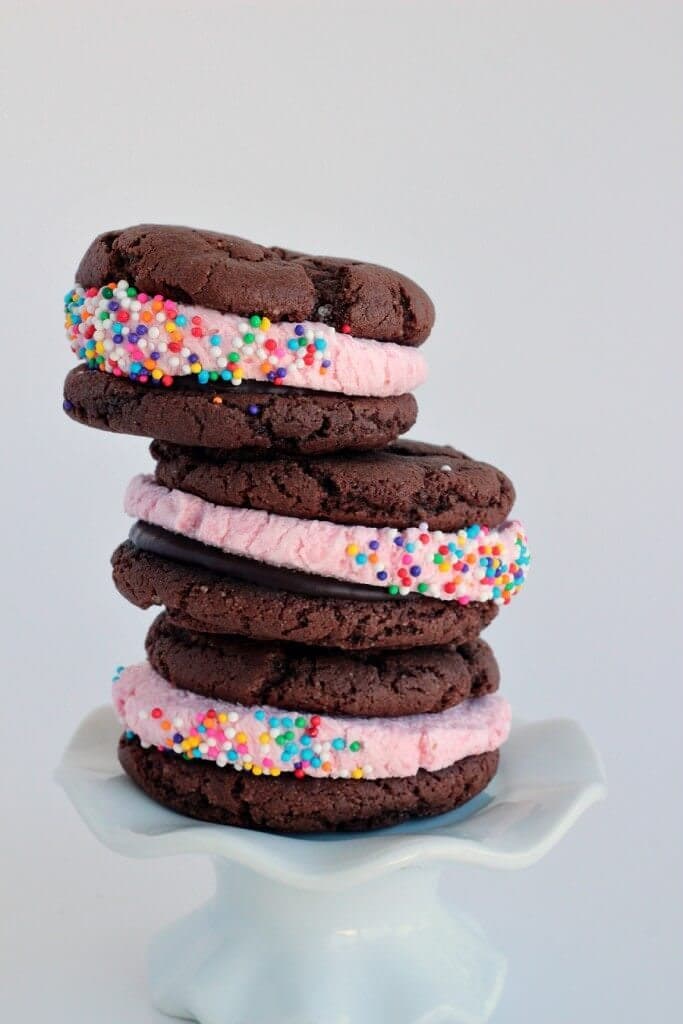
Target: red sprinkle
point(345, 329)
point(157, 712)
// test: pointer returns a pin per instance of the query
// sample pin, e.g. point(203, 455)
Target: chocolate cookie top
point(369, 683)
point(399, 486)
point(233, 275)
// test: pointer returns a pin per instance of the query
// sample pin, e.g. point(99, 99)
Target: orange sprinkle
point(217, 400)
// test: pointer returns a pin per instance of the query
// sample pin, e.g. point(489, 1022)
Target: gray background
point(523, 161)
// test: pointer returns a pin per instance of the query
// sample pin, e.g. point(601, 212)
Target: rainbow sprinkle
point(285, 742)
point(149, 339)
point(475, 563)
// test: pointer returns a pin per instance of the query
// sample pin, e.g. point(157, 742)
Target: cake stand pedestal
point(343, 929)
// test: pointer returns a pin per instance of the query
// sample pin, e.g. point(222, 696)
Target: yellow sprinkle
point(257, 770)
point(265, 323)
point(357, 773)
point(275, 772)
point(241, 737)
point(196, 367)
point(222, 718)
point(352, 549)
point(444, 567)
point(264, 738)
point(170, 326)
point(157, 374)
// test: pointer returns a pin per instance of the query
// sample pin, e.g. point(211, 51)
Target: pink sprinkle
point(242, 748)
point(267, 762)
point(464, 599)
point(407, 559)
point(143, 297)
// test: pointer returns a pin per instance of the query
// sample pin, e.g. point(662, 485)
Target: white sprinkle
point(446, 468)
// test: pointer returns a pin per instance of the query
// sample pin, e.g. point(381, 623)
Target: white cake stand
point(338, 929)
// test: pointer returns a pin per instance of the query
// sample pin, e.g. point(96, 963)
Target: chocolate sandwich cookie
point(399, 486)
point(211, 340)
point(199, 790)
point(290, 676)
point(195, 754)
point(323, 612)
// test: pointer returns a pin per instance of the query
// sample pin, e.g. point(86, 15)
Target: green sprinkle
point(300, 722)
point(393, 589)
point(213, 375)
point(423, 588)
point(438, 559)
point(354, 746)
point(248, 338)
point(131, 292)
point(289, 736)
point(107, 293)
point(234, 357)
point(255, 320)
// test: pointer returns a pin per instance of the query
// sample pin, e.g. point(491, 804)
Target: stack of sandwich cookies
point(317, 665)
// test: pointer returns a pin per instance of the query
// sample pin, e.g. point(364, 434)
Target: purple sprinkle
point(154, 355)
point(382, 575)
point(142, 329)
point(299, 330)
point(326, 363)
point(415, 570)
point(374, 545)
point(271, 376)
point(113, 306)
point(398, 541)
point(253, 410)
point(67, 406)
point(177, 737)
point(281, 372)
point(465, 568)
point(193, 357)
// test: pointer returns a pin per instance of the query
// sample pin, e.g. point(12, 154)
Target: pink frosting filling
point(476, 564)
point(205, 340)
point(321, 746)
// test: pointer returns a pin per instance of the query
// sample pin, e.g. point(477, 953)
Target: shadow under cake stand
point(340, 929)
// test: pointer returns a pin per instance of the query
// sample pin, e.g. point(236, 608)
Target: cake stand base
point(260, 951)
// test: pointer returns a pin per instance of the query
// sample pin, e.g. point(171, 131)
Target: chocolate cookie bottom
point(224, 796)
point(208, 602)
point(239, 418)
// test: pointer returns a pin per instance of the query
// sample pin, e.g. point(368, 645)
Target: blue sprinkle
point(135, 367)
point(203, 377)
point(473, 531)
point(177, 737)
point(232, 755)
point(215, 339)
point(181, 320)
point(281, 372)
point(339, 743)
point(259, 715)
point(306, 741)
point(226, 375)
point(306, 755)
point(293, 344)
point(286, 757)
point(299, 329)
point(320, 344)
point(410, 546)
point(273, 722)
point(287, 722)
point(415, 570)
point(315, 762)
point(382, 575)
point(361, 558)
point(117, 328)
point(373, 545)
